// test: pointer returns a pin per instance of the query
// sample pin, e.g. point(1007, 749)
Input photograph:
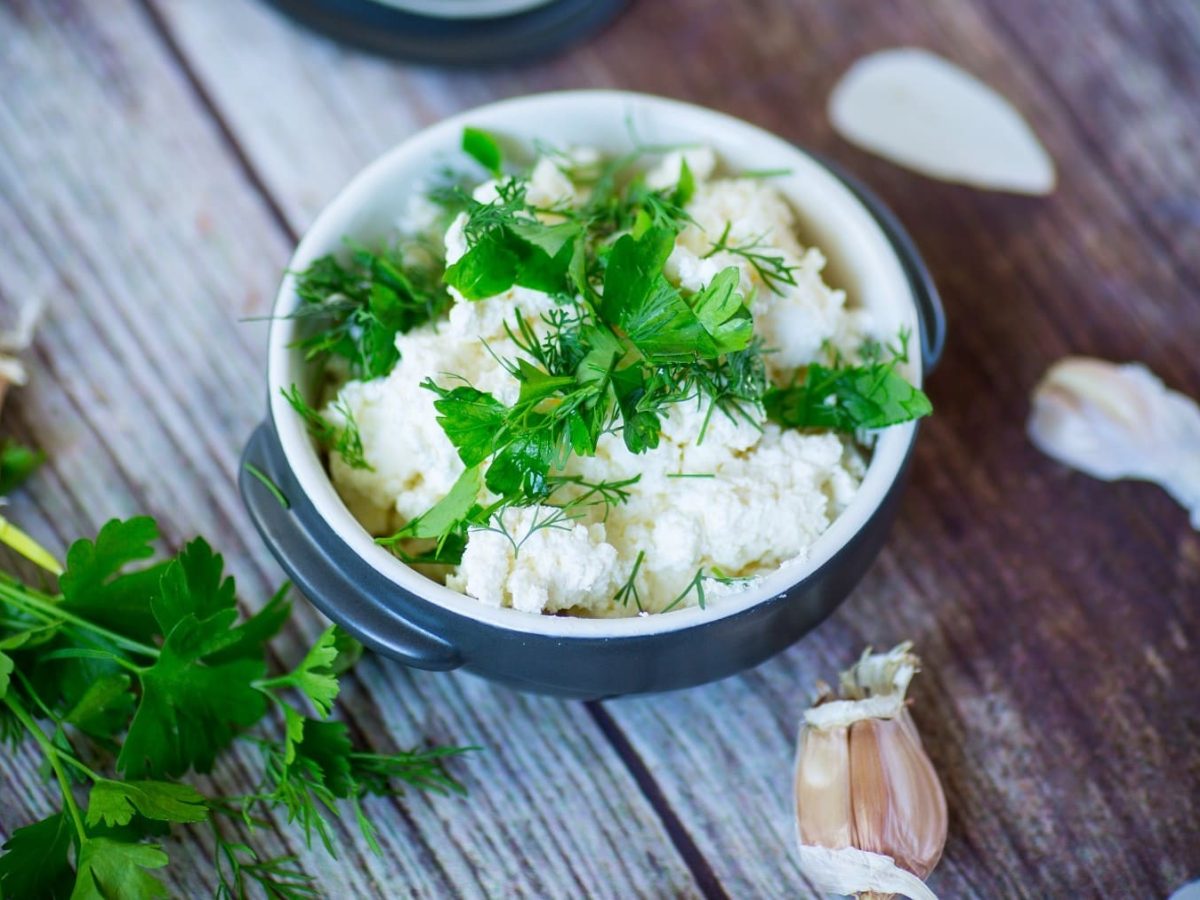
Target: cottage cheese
point(765, 494)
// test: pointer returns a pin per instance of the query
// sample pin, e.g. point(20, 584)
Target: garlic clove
point(912, 825)
point(1119, 421)
point(823, 787)
point(919, 110)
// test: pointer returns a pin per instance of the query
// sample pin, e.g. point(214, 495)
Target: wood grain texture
point(127, 210)
point(1058, 616)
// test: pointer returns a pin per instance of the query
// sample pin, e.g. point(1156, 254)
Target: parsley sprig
point(851, 396)
point(133, 675)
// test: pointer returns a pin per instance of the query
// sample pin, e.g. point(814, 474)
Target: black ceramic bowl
point(404, 615)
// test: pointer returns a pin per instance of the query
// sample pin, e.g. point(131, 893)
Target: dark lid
point(456, 32)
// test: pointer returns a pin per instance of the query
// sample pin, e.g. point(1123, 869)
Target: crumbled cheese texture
point(760, 497)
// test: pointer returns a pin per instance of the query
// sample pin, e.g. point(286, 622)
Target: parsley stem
point(18, 540)
point(48, 608)
point(53, 757)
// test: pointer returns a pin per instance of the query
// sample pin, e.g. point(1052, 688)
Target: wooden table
point(158, 159)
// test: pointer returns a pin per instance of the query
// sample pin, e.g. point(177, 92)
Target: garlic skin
point(1119, 421)
point(13, 341)
point(870, 812)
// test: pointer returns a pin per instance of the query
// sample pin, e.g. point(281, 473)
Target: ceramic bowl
point(402, 614)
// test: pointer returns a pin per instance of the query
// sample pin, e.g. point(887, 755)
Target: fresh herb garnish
point(155, 666)
point(629, 589)
point(770, 264)
point(359, 307)
point(848, 397)
point(484, 149)
point(697, 585)
point(344, 440)
point(623, 345)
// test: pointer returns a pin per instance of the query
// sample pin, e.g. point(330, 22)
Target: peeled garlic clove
point(919, 110)
point(870, 812)
point(1119, 421)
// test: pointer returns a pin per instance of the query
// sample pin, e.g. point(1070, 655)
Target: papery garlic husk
point(870, 811)
point(1119, 421)
point(12, 342)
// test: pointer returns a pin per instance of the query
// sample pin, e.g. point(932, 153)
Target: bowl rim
point(890, 452)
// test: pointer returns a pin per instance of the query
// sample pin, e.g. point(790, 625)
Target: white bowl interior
point(861, 260)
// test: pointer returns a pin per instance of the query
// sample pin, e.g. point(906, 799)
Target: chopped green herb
point(771, 266)
point(484, 149)
point(697, 585)
point(629, 588)
point(344, 439)
point(266, 482)
point(357, 309)
point(848, 397)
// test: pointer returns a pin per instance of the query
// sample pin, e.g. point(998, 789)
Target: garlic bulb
point(1119, 421)
point(870, 812)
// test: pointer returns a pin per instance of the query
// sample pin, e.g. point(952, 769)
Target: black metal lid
point(456, 32)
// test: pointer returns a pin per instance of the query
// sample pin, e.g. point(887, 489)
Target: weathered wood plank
point(120, 203)
point(1056, 614)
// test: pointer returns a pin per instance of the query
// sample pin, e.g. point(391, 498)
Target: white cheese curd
point(728, 496)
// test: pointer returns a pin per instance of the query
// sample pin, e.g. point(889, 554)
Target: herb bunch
point(131, 676)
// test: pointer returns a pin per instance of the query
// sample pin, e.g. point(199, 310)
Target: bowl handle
point(931, 316)
point(288, 530)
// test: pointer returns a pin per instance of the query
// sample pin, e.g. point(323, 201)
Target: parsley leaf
point(314, 676)
point(190, 710)
point(848, 398)
point(108, 868)
point(104, 706)
point(193, 583)
point(95, 586)
point(483, 148)
point(447, 515)
point(35, 862)
point(653, 312)
point(514, 254)
point(470, 418)
point(115, 802)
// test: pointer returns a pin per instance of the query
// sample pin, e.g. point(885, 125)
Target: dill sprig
point(695, 585)
point(772, 267)
point(357, 308)
point(345, 439)
point(629, 590)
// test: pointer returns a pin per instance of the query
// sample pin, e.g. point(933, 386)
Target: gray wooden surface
point(158, 159)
